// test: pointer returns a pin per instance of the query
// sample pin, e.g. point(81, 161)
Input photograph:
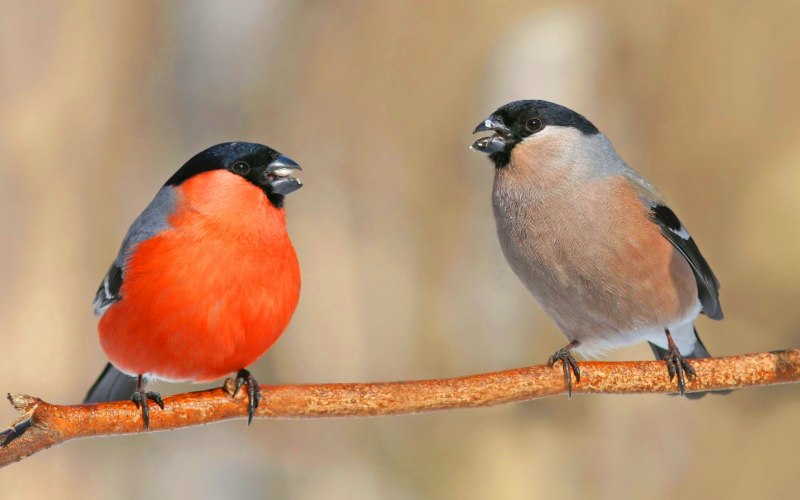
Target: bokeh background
point(403, 277)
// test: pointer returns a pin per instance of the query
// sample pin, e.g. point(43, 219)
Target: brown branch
point(44, 425)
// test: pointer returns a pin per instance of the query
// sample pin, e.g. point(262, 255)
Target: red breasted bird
point(206, 279)
point(593, 241)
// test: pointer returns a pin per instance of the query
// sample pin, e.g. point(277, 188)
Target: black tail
point(699, 351)
point(113, 385)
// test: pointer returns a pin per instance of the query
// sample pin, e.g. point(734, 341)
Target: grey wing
point(676, 233)
point(150, 222)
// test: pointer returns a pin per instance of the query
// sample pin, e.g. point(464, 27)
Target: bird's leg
point(568, 364)
point(243, 377)
point(140, 398)
point(677, 364)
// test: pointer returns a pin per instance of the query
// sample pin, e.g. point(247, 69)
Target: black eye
point(534, 125)
point(241, 168)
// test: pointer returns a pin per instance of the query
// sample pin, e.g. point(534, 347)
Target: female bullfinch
point(593, 241)
point(206, 279)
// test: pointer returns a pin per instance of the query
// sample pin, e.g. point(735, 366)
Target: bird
point(206, 278)
point(593, 241)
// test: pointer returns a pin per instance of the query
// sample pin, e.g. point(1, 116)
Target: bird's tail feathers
point(112, 385)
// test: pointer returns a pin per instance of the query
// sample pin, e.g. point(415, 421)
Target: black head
point(266, 168)
point(517, 120)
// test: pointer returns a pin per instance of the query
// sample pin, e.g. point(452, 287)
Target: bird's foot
point(678, 365)
point(243, 378)
point(140, 399)
point(568, 364)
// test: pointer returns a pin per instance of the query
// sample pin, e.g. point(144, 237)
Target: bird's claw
point(678, 365)
point(568, 365)
point(244, 378)
point(140, 399)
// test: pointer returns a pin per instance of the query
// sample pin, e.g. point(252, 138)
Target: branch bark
point(43, 425)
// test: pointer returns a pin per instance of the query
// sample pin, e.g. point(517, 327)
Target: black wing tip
point(711, 306)
point(715, 314)
point(108, 292)
point(707, 283)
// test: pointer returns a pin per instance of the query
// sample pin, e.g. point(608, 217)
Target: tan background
point(403, 277)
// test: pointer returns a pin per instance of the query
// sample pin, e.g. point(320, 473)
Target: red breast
point(212, 293)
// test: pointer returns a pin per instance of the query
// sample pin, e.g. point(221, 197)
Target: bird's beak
point(494, 143)
point(279, 175)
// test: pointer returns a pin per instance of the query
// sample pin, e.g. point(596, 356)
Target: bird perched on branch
point(206, 279)
point(593, 241)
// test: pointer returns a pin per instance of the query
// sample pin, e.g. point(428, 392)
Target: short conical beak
point(282, 165)
point(494, 143)
point(492, 123)
point(279, 175)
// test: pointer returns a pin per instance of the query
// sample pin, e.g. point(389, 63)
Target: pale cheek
point(541, 163)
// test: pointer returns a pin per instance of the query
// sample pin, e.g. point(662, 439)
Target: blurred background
point(403, 276)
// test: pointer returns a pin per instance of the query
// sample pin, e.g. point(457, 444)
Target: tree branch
point(44, 425)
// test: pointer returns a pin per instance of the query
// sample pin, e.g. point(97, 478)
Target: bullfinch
point(593, 241)
point(206, 279)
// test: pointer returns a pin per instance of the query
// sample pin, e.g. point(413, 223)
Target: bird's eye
point(241, 168)
point(534, 125)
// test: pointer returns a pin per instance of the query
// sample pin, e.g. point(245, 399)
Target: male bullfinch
point(206, 279)
point(593, 241)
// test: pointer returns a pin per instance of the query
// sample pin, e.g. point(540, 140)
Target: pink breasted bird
point(593, 241)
